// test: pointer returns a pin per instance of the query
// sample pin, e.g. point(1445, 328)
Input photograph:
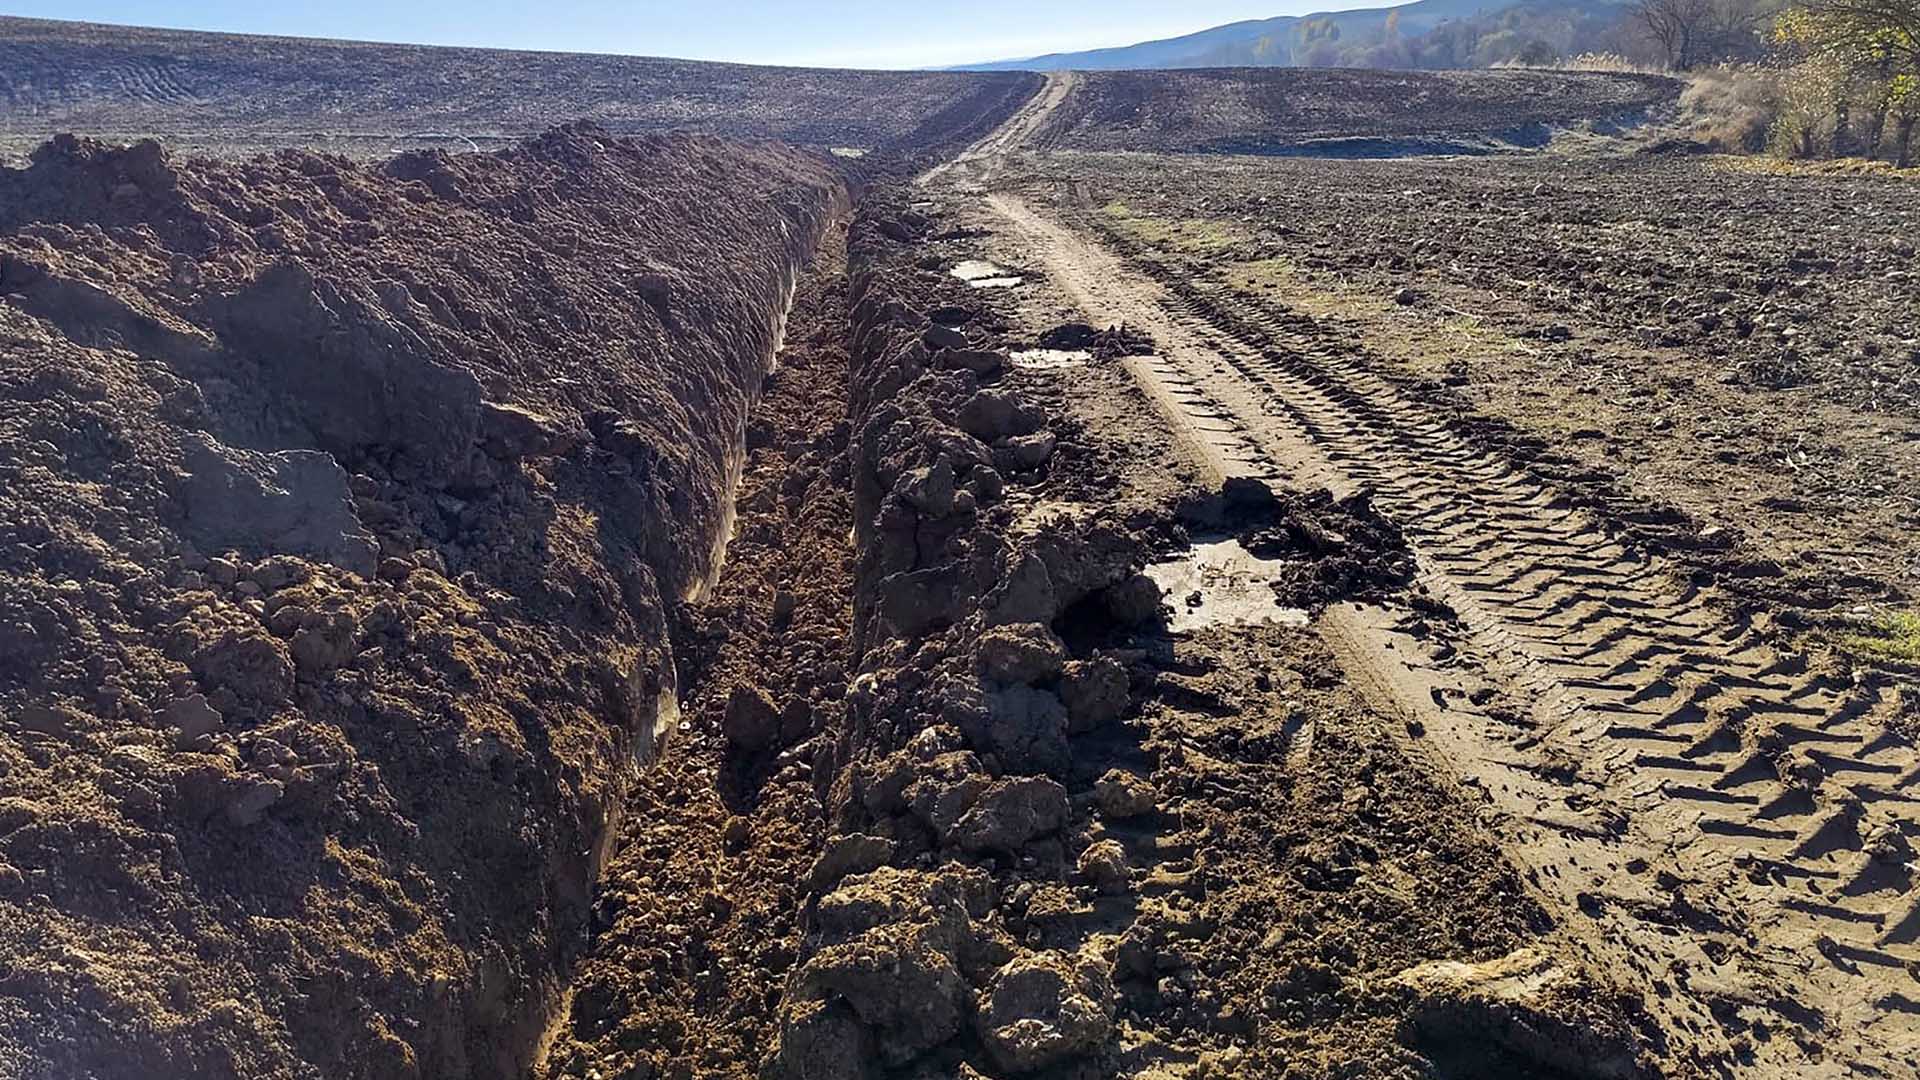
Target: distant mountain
point(1425, 33)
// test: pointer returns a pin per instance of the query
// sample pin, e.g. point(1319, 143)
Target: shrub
point(1732, 107)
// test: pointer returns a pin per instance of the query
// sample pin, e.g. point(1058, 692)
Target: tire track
point(1722, 823)
point(983, 161)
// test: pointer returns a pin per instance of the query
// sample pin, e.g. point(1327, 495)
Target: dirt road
point(981, 162)
point(1717, 821)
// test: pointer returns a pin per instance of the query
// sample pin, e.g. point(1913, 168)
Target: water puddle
point(982, 274)
point(1220, 583)
point(1047, 359)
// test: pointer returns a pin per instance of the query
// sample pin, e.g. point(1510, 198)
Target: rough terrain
point(237, 94)
point(344, 511)
point(1163, 616)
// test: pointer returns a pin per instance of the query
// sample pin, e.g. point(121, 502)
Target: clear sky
point(852, 33)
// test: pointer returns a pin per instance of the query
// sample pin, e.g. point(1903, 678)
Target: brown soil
point(239, 94)
point(696, 922)
point(1344, 113)
point(380, 700)
point(1703, 357)
point(1619, 680)
point(344, 511)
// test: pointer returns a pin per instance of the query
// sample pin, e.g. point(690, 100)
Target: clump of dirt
point(336, 557)
point(696, 923)
point(1326, 548)
point(947, 780)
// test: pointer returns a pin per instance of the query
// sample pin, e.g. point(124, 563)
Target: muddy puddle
point(1049, 359)
point(1221, 583)
point(982, 274)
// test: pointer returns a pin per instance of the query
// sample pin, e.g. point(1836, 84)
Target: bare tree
point(1692, 32)
point(1676, 26)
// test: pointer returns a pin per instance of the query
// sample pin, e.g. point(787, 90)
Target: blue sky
point(856, 33)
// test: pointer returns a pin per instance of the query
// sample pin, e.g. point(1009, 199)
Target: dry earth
point(344, 509)
point(1163, 617)
point(237, 94)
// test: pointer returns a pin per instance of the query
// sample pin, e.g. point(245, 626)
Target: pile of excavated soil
point(341, 520)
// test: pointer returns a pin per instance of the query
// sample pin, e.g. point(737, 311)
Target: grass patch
point(1774, 166)
point(1193, 236)
point(1263, 273)
point(1895, 636)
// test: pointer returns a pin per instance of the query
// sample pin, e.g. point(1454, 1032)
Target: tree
point(1864, 47)
point(1904, 100)
point(1676, 26)
point(1692, 32)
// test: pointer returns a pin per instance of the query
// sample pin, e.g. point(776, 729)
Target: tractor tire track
point(1720, 823)
point(981, 162)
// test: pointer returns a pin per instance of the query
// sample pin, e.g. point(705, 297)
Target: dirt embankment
point(342, 516)
point(1341, 113)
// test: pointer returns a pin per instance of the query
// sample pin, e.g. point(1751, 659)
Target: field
point(1343, 113)
point(1271, 573)
point(234, 94)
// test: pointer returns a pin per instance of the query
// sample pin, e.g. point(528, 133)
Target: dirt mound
point(229, 92)
point(343, 514)
point(1339, 113)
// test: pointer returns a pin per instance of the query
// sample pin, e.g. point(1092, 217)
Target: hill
point(1341, 113)
point(233, 91)
point(1422, 34)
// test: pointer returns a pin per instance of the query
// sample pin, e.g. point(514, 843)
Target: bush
point(1591, 61)
point(1732, 107)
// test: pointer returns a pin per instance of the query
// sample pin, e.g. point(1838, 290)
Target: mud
point(345, 512)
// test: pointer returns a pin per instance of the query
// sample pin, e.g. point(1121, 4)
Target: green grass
point(1896, 636)
point(1198, 236)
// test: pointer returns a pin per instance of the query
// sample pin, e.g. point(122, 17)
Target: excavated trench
point(956, 793)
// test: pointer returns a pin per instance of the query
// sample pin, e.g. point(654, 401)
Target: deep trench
point(689, 784)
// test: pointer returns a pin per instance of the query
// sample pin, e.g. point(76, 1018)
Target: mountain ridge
point(1313, 39)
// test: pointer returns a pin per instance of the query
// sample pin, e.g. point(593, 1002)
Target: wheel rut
point(982, 161)
point(1719, 823)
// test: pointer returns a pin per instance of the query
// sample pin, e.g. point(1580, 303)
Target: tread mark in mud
point(1677, 770)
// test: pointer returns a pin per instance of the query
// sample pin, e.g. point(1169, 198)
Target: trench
point(737, 453)
point(651, 740)
point(692, 786)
